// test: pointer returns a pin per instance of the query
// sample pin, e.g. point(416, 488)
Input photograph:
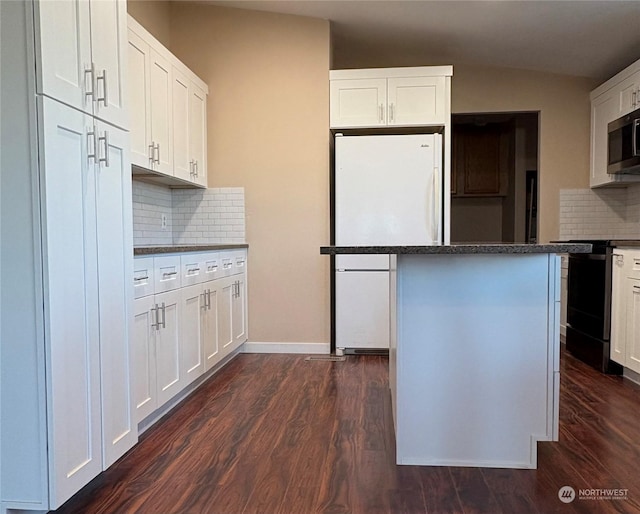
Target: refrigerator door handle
point(435, 220)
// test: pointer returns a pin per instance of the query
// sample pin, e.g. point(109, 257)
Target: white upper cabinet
point(629, 94)
point(358, 102)
point(182, 166)
point(81, 45)
point(138, 86)
point(198, 134)
point(390, 97)
point(416, 100)
point(168, 115)
point(610, 101)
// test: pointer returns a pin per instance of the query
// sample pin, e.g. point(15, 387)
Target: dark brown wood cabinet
point(480, 160)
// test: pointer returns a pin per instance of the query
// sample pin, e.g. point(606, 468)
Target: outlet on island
point(163, 221)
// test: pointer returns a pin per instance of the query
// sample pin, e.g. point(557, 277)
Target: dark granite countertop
point(152, 250)
point(461, 249)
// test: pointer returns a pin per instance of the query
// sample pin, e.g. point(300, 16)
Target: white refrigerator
point(387, 191)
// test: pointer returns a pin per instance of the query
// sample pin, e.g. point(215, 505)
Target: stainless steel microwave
point(623, 145)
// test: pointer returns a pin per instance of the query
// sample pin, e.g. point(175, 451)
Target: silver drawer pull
point(137, 279)
point(212, 268)
point(193, 270)
point(170, 274)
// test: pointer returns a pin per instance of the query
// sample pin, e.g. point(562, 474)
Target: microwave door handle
point(634, 136)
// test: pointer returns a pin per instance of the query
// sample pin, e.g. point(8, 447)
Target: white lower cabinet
point(625, 308)
point(181, 333)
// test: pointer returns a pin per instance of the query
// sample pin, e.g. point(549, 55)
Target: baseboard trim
point(304, 348)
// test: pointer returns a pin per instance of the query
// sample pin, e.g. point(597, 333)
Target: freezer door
point(362, 262)
point(388, 189)
point(362, 309)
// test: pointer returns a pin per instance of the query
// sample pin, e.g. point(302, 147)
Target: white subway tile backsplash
point(600, 213)
point(194, 216)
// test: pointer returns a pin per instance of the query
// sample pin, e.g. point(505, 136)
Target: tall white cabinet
point(66, 411)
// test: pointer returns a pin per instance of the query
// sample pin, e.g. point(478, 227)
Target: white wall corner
point(274, 347)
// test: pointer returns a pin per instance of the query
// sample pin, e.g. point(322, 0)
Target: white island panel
point(472, 358)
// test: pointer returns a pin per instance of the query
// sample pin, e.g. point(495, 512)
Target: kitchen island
point(474, 354)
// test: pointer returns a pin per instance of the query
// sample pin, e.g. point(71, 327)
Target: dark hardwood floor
point(278, 434)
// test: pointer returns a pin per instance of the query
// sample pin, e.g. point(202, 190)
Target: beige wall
point(153, 15)
point(268, 119)
point(564, 108)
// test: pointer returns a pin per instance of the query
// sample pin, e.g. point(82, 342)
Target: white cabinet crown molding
point(373, 73)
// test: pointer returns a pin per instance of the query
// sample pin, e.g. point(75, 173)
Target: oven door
point(623, 146)
point(589, 294)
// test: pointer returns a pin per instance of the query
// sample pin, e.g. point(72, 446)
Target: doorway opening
point(494, 177)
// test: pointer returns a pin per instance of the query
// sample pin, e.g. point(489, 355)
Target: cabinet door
point(181, 131)
point(618, 308)
point(198, 133)
point(139, 101)
point(239, 310)
point(63, 48)
point(191, 352)
point(144, 358)
point(167, 340)
point(160, 88)
point(108, 41)
point(633, 324)
point(416, 101)
point(358, 103)
point(224, 288)
point(71, 300)
point(115, 258)
point(209, 333)
point(628, 94)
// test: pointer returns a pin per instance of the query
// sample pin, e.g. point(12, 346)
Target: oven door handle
point(588, 256)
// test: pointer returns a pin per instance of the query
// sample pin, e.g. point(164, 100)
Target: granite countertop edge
point(152, 250)
point(460, 249)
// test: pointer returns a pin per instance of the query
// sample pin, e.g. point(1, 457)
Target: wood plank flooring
point(278, 434)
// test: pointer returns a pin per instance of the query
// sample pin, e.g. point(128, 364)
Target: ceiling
point(583, 38)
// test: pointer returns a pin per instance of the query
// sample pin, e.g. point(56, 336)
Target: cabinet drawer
point(166, 273)
point(193, 269)
point(212, 265)
point(227, 263)
point(239, 262)
point(143, 283)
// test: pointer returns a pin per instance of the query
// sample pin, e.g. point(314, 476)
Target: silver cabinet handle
point(91, 141)
point(89, 70)
point(158, 149)
point(154, 310)
point(103, 78)
point(138, 279)
point(191, 167)
point(204, 300)
point(152, 148)
point(169, 274)
point(195, 167)
point(209, 298)
point(633, 98)
point(164, 316)
point(381, 113)
point(391, 113)
point(105, 139)
point(193, 270)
